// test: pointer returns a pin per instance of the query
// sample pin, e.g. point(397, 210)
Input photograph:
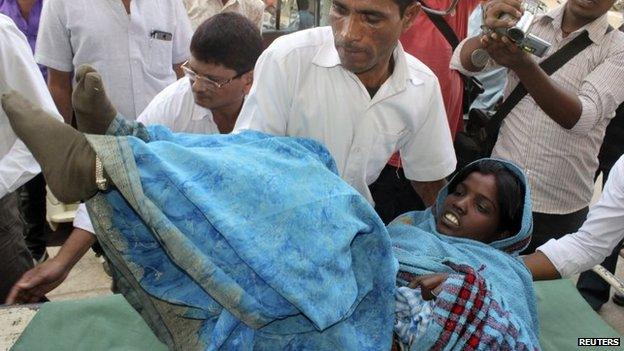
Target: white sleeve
point(267, 106)
point(157, 111)
point(16, 168)
point(601, 232)
point(18, 71)
point(182, 36)
point(82, 220)
point(429, 154)
point(53, 48)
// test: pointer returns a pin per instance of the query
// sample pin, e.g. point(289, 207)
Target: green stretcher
point(110, 323)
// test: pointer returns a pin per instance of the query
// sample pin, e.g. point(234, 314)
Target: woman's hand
point(430, 284)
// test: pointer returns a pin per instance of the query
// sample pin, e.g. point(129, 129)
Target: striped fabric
point(560, 163)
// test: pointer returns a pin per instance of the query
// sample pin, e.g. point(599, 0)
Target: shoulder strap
point(550, 66)
point(443, 27)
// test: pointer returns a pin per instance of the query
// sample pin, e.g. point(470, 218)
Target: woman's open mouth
point(450, 219)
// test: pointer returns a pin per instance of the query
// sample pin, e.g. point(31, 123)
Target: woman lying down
point(253, 242)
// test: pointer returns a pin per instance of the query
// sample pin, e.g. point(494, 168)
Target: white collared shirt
point(300, 89)
point(18, 71)
point(134, 65)
point(601, 232)
point(175, 108)
point(201, 10)
point(560, 163)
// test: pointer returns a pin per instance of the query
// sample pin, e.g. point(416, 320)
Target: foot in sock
point(66, 158)
point(94, 111)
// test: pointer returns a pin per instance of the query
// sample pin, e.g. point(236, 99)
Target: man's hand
point(506, 53)
point(430, 284)
point(37, 282)
point(428, 191)
point(495, 9)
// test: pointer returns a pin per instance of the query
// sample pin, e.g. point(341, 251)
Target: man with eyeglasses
point(218, 76)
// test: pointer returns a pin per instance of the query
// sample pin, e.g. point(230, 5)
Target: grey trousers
point(15, 259)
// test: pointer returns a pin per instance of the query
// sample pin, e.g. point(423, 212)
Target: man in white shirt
point(354, 89)
point(555, 131)
point(136, 45)
point(595, 240)
point(201, 10)
point(18, 71)
point(219, 74)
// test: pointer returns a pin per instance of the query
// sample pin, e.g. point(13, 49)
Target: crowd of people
point(88, 86)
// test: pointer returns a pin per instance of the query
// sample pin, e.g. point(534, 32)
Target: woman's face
point(471, 211)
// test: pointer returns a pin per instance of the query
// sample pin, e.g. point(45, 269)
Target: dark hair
point(228, 39)
point(302, 5)
point(511, 191)
point(403, 4)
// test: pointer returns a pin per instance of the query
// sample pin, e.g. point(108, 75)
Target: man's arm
point(462, 56)
point(595, 240)
point(60, 86)
point(181, 37)
point(428, 191)
point(37, 282)
point(561, 105)
point(541, 267)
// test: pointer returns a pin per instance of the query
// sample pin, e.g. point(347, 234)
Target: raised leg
point(66, 158)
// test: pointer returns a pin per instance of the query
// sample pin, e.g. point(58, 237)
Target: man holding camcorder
point(553, 132)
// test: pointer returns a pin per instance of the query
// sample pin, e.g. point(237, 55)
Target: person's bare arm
point(60, 86)
point(540, 266)
point(492, 15)
point(561, 105)
point(37, 282)
point(428, 191)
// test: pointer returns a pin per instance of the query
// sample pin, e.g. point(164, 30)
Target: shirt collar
point(200, 113)
point(327, 57)
point(596, 29)
point(227, 4)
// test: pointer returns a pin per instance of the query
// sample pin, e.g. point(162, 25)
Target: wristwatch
point(100, 180)
point(479, 57)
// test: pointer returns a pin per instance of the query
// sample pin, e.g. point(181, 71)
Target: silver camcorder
point(519, 32)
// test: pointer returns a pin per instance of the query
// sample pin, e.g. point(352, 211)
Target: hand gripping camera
point(519, 32)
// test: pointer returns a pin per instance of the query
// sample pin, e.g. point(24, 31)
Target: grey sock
point(94, 111)
point(66, 158)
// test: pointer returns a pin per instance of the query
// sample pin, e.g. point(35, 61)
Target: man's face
point(209, 95)
point(366, 32)
point(589, 9)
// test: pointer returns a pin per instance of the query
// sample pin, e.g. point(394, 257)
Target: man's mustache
point(350, 46)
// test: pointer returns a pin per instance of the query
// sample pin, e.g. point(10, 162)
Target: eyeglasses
point(207, 82)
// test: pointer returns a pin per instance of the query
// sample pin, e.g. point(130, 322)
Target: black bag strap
point(443, 27)
point(550, 66)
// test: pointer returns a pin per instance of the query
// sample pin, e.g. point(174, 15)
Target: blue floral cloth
point(243, 242)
